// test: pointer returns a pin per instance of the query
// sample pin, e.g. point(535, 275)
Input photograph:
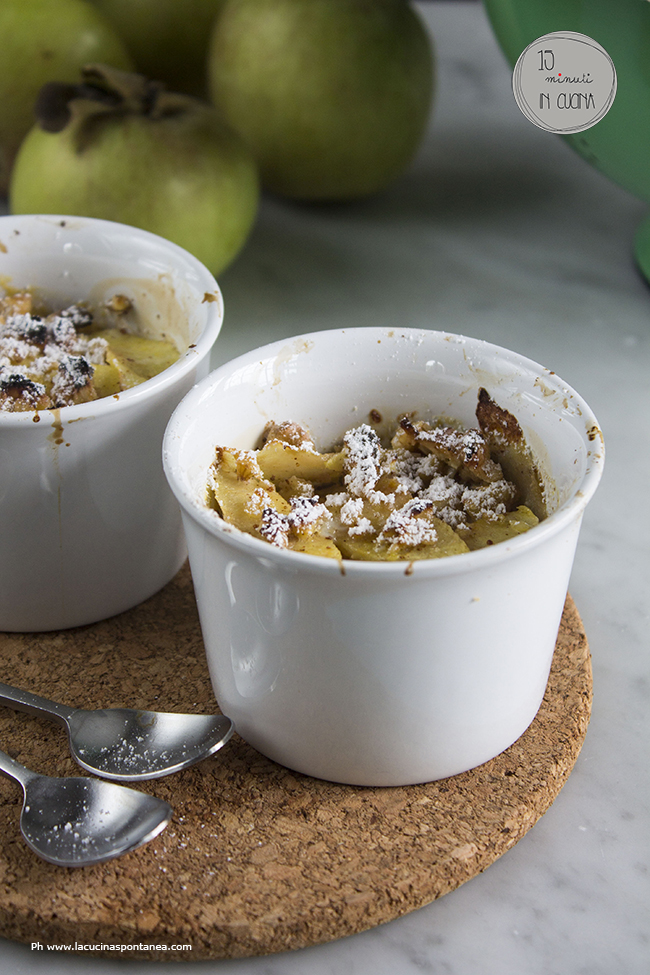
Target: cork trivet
point(257, 859)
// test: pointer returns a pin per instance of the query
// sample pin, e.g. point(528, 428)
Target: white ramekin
point(386, 674)
point(89, 525)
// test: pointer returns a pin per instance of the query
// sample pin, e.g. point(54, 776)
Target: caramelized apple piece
point(486, 531)
point(281, 461)
point(136, 358)
point(385, 549)
point(239, 491)
point(508, 445)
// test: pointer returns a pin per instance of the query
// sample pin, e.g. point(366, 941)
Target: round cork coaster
point(256, 859)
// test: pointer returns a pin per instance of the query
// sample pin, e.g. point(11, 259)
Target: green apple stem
point(104, 93)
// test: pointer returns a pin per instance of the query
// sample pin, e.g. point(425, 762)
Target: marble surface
point(499, 231)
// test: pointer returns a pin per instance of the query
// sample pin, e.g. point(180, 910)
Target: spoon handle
point(15, 770)
point(21, 700)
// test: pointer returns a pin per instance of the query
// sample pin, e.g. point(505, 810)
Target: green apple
point(332, 96)
point(168, 39)
point(45, 40)
point(122, 148)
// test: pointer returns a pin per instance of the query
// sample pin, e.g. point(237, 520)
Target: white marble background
point(499, 231)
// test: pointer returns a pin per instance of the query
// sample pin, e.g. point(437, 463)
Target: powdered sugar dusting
point(305, 514)
point(419, 482)
point(66, 358)
point(45, 362)
point(421, 494)
point(406, 527)
point(363, 463)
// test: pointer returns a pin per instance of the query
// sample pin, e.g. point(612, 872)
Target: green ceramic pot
point(618, 145)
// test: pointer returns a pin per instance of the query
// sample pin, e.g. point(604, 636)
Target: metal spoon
point(74, 822)
point(125, 744)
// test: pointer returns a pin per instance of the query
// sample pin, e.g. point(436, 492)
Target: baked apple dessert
point(425, 490)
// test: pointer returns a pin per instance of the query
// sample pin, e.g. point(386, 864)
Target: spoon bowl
point(125, 744)
point(76, 821)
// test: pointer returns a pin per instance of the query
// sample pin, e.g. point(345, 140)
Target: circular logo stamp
point(564, 82)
